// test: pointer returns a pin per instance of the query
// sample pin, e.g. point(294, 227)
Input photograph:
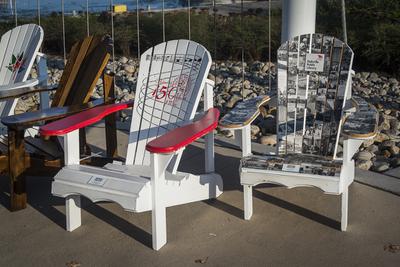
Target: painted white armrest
point(28, 83)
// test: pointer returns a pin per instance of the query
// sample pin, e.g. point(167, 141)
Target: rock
point(386, 153)
point(268, 66)
point(373, 77)
point(268, 125)
point(123, 60)
point(246, 84)
point(236, 70)
point(364, 155)
point(395, 162)
point(226, 132)
point(129, 69)
point(373, 148)
point(380, 166)
point(233, 100)
point(388, 143)
point(256, 66)
point(268, 140)
point(394, 150)
point(364, 164)
point(380, 137)
point(368, 142)
point(211, 77)
point(254, 129)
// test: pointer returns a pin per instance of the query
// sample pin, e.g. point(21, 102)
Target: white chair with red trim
point(315, 110)
point(171, 78)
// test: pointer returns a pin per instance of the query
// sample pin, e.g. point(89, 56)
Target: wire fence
point(245, 18)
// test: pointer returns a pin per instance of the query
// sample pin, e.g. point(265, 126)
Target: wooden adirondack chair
point(86, 63)
point(315, 110)
point(171, 78)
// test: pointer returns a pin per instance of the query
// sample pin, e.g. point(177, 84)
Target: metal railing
point(212, 7)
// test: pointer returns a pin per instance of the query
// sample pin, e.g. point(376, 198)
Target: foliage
point(373, 31)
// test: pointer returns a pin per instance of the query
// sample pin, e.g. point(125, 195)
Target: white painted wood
point(131, 187)
point(71, 148)
point(73, 212)
point(26, 40)
point(243, 139)
point(41, 62)
point(139, 186)
point(344, 210)
point(159, 164)
point(248, 201)
point(209, 138)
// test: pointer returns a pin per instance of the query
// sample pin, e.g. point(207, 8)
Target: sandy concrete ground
point(296, 227)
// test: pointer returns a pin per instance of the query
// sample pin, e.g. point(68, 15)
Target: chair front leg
point(248, 201)
point(159, 163)
point(16, 167)
point(243, 140)
point(72, 202)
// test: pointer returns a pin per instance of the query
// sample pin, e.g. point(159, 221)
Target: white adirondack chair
point(19, 49)
point(171, 78)
point(315, 110)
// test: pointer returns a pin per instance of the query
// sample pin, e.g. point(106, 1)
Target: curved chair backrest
point(313, 81)
point(18, 48)
point(86, 63)
point(169, 85)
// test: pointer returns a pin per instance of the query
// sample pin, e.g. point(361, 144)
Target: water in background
point(29, 7)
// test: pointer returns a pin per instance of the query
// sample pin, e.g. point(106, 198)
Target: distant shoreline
point(225, 6)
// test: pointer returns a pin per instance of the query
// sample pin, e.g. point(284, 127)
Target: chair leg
point(73, 212)
point(16, 167)
point(158, 213)
point(345, 206)
point(248, 201)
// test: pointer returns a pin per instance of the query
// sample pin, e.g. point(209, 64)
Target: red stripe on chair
point(82, 119)
point(183, 136)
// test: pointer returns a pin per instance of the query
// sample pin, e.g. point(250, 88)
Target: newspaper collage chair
point(172, 76)
point(316, 116)
point(86, 63)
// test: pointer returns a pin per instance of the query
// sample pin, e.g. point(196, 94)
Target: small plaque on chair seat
point(290, 168)
point(98, 181)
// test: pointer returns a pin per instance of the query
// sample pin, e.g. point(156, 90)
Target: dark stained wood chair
point(86, 64)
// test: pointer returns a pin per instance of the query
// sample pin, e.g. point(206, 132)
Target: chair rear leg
point(345, 206)
point(73, 212)
point(248, 201)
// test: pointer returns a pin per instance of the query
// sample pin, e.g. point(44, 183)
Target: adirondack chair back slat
point(18, 48)
point(313, 74)
point(169, 85)
point(85, 64)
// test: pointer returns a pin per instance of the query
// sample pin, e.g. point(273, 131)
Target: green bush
point(373, 32)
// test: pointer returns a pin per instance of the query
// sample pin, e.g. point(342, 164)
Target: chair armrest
point(82, 119)
point(26, 120)
point(23, 88)
point(244, 112)
point(361, 123)
point(185, 135)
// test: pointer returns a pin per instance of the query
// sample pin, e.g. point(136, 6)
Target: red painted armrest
point(183, 136)
point(82, 119)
